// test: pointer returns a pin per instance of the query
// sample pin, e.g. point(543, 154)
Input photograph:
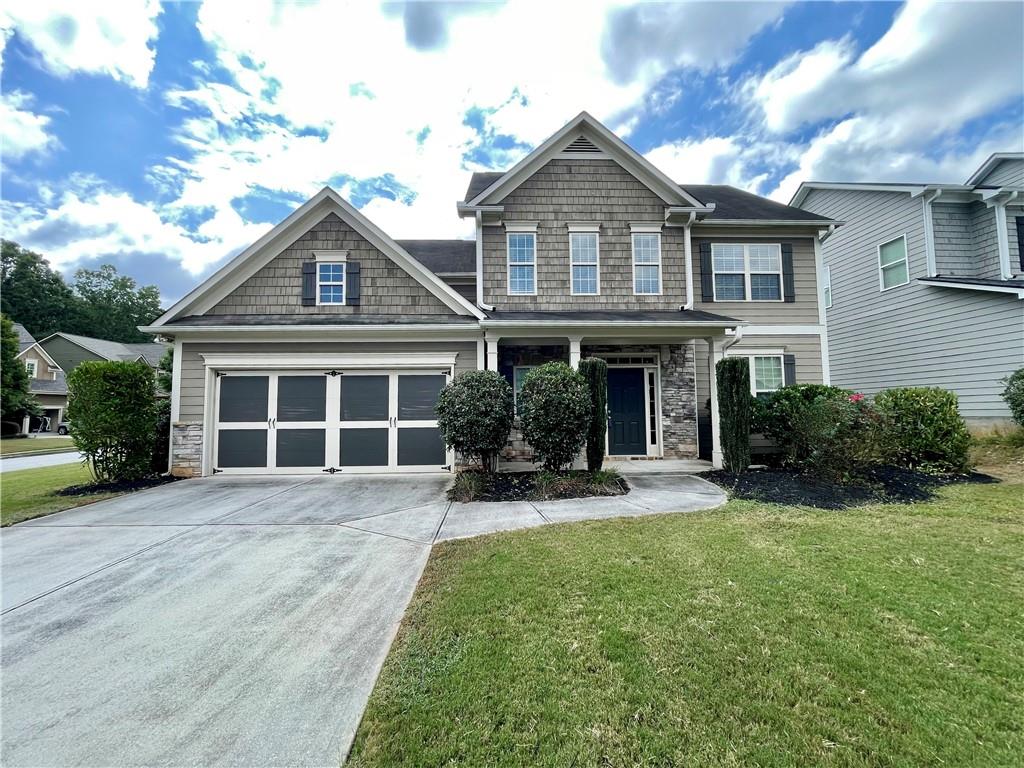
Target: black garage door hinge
point(215, 470)
point(333, 373)
point(332, 470)
point(447, 467)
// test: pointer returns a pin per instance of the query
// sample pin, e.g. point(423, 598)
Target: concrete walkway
point(39, 460)
point(233, 621)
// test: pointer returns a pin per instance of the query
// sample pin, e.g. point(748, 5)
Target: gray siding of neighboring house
point(986, 241)
point(915, 334)
point(67, 354)
point(277, 287)
point(954, 240)
point(1013, 214)
point(1008, 173)
point(577, 191)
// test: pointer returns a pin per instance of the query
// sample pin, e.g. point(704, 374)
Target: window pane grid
point(330, 283)
point(730, 288)
point(768, 375)
point(521, 263)
point(584, 279)
point(646, 264)
point(741, 269)
point(647, 279)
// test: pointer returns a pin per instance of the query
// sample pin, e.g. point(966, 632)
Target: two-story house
point(322, 347)
point(924, 283)
point(46, 383)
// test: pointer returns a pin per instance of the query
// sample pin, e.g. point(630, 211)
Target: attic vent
point(581, 144)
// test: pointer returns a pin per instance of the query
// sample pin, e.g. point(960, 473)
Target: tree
point(35, 295)
point(165, 371)
point(114, 305)
point(595, 371)
point(735, 404)
point(15, 400)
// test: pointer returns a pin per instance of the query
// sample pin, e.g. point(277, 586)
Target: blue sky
point(164, 138)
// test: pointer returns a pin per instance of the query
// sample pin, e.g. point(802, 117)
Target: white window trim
point(508, 261)
point(826, 279)
point(31, 366)
point(906, 260)
point(746, 276)
point(596, 264)
point(634, 230)
point(750, 354)
point(332, 257)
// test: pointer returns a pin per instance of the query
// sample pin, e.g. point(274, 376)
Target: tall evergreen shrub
point(735, 404)
point(595, 371)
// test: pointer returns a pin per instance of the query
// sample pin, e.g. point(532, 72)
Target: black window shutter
point(1020, 241)
point(707, 276)
point(788, 284)
point(309, 283)
point(789, 369)
point(352, 288)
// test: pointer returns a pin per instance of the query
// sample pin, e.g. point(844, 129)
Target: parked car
point(63, 428)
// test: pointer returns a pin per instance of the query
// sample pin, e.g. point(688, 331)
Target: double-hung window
point(583, 258)
point(30, 366)
point(747, 272)
point(330, 282)
point(522, 263)
point(766, 374)
point(892, 263)
point(646, 263)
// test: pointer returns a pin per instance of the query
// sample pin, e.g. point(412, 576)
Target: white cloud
point(715, 160)
point(111, 37)
point(21, 130)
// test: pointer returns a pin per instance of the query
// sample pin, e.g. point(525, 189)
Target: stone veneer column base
point(186, 449)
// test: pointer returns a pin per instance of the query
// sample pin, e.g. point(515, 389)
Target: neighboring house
point(322, 347)
point(69, 350)
point(925, 283)
point(46, 382)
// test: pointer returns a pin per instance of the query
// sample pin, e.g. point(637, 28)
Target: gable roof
point(586, 126)
point(443, 256)
point(990, 165)
point(205, 295)
point(35, 345)
point(149, 352)
point(736, 204)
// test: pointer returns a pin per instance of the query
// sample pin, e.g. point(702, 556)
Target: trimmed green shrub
point(734, 412)
point(838, 437)
point(161, 436)
point(474, 415)
point(776, 413)
point(555, 409)
point(1014, 395)
point(924, 429)
point(595, 371)
point(112, 411)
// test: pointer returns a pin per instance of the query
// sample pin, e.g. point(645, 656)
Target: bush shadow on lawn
point(877, 486)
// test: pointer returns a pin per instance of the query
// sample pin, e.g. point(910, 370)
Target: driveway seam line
point(536, 509)
point(387, 535)
point(390, 512)
point(440, 525)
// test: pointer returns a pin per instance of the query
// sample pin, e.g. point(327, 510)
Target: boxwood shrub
point(474, 415)
point(924, 429)
point(112, 412)
point(1014, 395)
point(554, 409)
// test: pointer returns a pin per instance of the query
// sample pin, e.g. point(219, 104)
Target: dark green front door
point(626, 432)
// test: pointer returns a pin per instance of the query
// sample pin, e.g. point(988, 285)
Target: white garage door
point(328, 421)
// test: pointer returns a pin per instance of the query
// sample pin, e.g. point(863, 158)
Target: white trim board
point(42, 352)
point(315, 360)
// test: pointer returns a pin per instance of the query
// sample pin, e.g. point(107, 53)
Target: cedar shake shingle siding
point(576, 191)
point(386, 288)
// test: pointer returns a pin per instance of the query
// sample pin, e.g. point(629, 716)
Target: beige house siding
point(42, 364)
point(577, 191)
point(276, 288)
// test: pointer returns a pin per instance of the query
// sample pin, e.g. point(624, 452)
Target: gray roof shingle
point(25, 339)
point(115, 350)
point(445, 256)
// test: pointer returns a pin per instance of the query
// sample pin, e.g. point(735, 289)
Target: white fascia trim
point(312, 331)
point(606, 141)
point(243, 266)
point(991, 288)
point(993, 160)
point(768, 223)
point(649, 326)
point(520, 226)
point(42, 352)
point(465, 210)
point(801, 193)
point(365, 360)
point(784, 330)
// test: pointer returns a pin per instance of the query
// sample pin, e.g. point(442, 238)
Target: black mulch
point(135, 485)
point(522, 486)
point(881, 485)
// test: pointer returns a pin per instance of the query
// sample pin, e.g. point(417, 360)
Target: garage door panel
point(242, 448)
point(301, 447)
point(301, 398)
point(417, 396)
point(365, 398)
point(364, 447)
point(420, 446)
point(244, 398)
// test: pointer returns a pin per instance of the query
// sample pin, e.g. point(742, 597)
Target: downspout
point(480, 263)
point(929, 233)
point(737, 335)
point(688, 252)
point(1002, 238)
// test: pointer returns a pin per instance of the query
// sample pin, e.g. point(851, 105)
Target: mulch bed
point(88, 489)
point(881, 485)
point(522, 486)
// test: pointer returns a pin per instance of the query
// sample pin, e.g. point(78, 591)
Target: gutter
point(480, 263)
point(767, 222)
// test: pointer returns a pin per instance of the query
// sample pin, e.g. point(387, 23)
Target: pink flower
point(856, 397)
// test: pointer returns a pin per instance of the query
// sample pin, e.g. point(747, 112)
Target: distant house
point(46, 382)
point(924, 283)
point(69, 350)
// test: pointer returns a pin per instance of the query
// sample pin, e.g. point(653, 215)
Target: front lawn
point(754, 634)
point(35, 445)
point(28, 493)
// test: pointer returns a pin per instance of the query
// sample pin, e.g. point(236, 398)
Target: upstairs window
point(893, 270)
point(646, 263)
point(747, 272)
point(522, 263)
point(30, 366)
point(583, 260)
point(330, 282)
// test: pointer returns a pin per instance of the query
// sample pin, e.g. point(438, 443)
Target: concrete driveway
point(232, 621)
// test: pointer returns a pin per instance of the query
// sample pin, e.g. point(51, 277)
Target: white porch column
point(492, 352)
point(715, 353)
point(574, 351)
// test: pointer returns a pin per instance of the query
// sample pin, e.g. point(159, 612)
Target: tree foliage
point(474, 415)
point(924, 429)
point(1014, 395)
point(595, 371)
point(113, 414)
point(100, 303)
point(15, 400)
point(554, 408)
point(734, 412)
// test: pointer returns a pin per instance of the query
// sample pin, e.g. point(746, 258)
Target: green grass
point(29, 493)
point(35, 445)
point(749, 635)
